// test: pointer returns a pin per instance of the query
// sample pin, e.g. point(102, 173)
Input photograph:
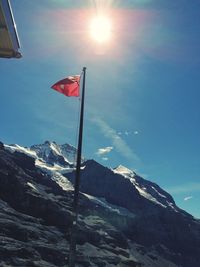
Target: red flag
point(68, 86)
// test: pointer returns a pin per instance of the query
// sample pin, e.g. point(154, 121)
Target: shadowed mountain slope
point(124, 219)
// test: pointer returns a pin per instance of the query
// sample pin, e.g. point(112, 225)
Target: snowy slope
point(147, 189)
point(52, 153)
point(52, 158)
point(124, 220)
point(49, 153)
point(21, 149)
point(57, 160)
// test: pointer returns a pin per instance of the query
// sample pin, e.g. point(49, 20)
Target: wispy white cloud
point(105, 150)
point(127, 133)
point(188, 198)
point(119, 144)
point(104, 158)
point(184, 188)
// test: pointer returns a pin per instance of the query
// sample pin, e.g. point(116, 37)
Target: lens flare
point(100, 29)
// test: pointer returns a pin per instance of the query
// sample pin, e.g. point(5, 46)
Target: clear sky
point(142, 93)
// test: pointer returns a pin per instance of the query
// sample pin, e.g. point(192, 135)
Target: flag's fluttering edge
point(69, 86)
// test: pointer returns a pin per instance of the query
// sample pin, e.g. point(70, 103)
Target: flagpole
point(72, 252)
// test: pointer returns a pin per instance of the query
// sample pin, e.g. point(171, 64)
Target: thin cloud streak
point(120, 145)
point(188, 198)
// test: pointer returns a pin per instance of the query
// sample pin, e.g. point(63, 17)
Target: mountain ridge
point(54, 154)
point(119, 221)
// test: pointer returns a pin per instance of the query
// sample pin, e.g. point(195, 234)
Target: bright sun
point(100, 29)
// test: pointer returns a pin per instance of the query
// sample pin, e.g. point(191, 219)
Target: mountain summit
point(124, 220)
point(49, 152)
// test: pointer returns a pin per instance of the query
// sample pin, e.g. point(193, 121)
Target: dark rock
point(115, 222)
point(153, 223)
point(1, 145)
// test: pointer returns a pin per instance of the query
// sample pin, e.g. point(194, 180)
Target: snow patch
point(25, 150)
point(51, 169)
point(148, 196)
point(113, 208)
point(171, 205)
point(124, 171)
point(62, 181)
point(161, 195)
point(32, 186)
point(55, 148)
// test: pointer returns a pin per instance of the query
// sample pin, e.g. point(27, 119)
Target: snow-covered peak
point(52, 158)
point(49, 152)
point(58, 160)
point(124, 171)
point(49, 156)
point(146, 189)
point(69, 152)
point(53, 153)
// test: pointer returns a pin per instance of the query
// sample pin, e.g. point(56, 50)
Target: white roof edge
point(11, 28)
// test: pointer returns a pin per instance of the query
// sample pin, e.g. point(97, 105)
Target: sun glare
point(100, 29)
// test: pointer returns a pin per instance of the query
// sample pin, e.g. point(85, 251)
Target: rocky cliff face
point(158, 222)
point(124, 219)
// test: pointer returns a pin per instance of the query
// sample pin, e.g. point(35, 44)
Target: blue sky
point(142, 99)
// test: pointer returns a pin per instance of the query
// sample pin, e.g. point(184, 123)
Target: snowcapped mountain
point(123, 187)
point(49, 152)
point(58, 161)
point(147, 189)
point(52, 158)
point(52, 153)
point(124, 220)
